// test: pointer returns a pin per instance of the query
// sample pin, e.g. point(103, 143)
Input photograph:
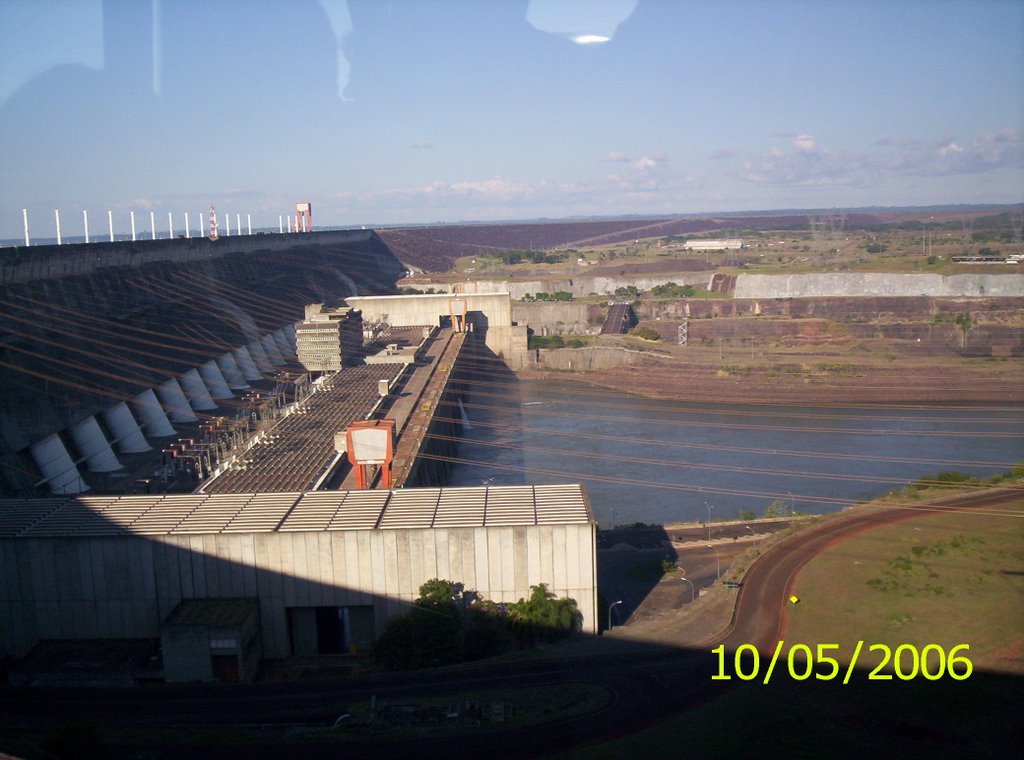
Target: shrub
point(645, 332)
point(546, 341)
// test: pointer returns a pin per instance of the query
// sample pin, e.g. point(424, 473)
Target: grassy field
point(939, 579)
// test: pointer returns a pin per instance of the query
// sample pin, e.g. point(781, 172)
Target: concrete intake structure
point(128, 435)
point(147, 323)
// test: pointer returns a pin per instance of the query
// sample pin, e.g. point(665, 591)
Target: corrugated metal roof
point(192, 514)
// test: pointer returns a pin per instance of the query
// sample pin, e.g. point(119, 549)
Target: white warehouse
point(726, 244)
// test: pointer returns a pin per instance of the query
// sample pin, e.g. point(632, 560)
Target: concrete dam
point(197, 474)
point(104, 347)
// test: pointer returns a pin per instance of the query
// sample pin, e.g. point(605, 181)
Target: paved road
point(648, 687)
point(760, 614)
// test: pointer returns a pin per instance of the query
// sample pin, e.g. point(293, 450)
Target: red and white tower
point(370, 448)
point(304, 217)
point(213, 223)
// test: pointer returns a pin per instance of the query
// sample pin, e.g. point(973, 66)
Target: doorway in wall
point(331, 630)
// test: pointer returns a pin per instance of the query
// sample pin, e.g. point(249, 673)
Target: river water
point(652, 461)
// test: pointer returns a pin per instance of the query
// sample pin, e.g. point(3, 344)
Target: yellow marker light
point(794, 599)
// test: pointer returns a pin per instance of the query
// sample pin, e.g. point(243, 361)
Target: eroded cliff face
point(997, 324)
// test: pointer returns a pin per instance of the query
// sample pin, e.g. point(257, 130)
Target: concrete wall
point(24, 264)
point(186, 651)
point(559, 317)
point(490, 314)
point(856, 309)
point(125, 587)
point(577, 359)
point(579, 284)
point(876, 284)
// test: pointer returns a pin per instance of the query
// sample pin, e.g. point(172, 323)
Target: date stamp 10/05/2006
point(802, 662)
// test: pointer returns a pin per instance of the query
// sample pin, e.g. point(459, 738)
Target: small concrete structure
point(211, 640)
point(487, 314)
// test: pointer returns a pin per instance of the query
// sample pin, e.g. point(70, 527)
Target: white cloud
point(616, 156)
point(146, 203)
point(497, 188)
point(989, 151)
point(951, 148)
point(807, 165)
point(804, 143)
point(650, 162)
point(641, 177)
point(471, 193)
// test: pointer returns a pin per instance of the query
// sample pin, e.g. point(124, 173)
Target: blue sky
point(409, 111)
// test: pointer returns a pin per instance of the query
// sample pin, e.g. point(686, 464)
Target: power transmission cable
point(617, 457)
point(773, 452)
point(614, 401)
point(598, 477)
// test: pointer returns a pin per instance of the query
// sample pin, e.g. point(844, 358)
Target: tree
point(776, 509)
point(544, 617)
point(429, 635)
point(486, 632)
point(437, 594)
point(672, 290)
point(965, 323)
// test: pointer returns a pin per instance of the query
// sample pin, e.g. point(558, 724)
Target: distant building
point(328, 339)
point(726, 244)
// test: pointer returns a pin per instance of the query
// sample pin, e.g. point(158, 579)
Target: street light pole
point(792, 503)
point(692, 595)
point(709, 519)
point(752, 534)
point(610, 608)
point(718, 559)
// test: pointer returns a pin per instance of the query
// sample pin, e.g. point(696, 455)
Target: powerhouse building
point(224, 580)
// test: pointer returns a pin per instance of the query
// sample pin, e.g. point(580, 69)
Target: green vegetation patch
point(838, 369)
point(645, 332)
point(560, 341)
point(916, 572)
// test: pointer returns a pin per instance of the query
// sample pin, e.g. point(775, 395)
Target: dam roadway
point(648, 684)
